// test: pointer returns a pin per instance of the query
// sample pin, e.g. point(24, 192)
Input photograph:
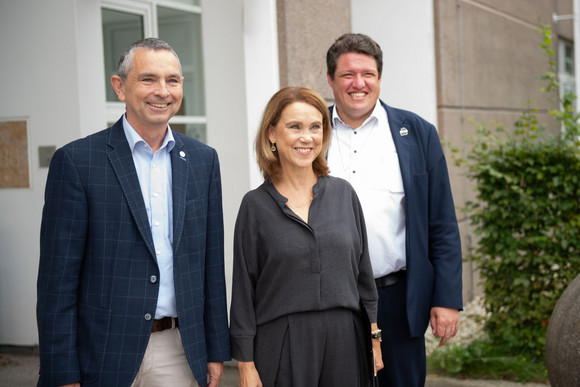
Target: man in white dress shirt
point(393, 159)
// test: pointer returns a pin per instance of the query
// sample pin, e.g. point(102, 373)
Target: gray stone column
point(306, 28)
point(563, 339)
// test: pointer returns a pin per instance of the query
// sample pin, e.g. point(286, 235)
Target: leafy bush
point(482, 360)
point(527, 218)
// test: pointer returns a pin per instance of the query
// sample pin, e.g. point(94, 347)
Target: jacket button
point(148, 316)
point(153, 279)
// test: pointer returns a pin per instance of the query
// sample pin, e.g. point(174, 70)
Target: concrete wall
point(304, 37)
point(564, 28)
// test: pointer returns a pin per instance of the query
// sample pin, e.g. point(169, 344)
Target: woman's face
point(298, 136)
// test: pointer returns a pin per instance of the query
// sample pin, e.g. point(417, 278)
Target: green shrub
point(482, 360)
point(527, 219)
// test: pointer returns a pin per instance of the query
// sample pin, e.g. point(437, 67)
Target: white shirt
point(154, 172)
point(367, 158)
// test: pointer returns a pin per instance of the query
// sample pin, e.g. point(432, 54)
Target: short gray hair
point(126, 61)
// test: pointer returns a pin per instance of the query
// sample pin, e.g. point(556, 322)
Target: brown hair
point(357, 43)
point(267, 159)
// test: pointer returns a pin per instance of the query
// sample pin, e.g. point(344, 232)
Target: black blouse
point(283, 265)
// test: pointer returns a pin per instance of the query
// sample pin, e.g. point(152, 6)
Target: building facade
point(451, 61)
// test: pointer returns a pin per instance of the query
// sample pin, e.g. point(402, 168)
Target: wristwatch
point(376, 335)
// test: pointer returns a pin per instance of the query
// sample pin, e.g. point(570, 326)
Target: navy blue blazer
point(434, 261)
point(97, 287)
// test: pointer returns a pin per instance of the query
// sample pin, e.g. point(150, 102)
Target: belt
point(165, 323)
point(390, 279)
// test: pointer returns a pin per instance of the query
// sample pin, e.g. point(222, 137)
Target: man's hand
point(215, 370)
point(444, 323)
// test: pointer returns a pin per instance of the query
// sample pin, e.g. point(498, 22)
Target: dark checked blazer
point(96, 287)
point(433, 245)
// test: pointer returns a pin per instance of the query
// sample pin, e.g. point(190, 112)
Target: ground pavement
point(21, 370)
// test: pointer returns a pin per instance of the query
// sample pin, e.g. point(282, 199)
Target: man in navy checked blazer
point(131, 287)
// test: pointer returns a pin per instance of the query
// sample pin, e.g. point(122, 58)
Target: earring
point(273, 148)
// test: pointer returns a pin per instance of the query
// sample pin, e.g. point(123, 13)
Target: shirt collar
point(133, 138)
point(378, 114)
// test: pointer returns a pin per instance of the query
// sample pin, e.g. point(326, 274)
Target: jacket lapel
point(402, 137)
point(179, 167)
point(121, 160)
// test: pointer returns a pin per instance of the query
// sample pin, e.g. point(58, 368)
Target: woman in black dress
point(303, 286)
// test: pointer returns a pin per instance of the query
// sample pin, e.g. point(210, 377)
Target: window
point(566, 74)
point(178, 22)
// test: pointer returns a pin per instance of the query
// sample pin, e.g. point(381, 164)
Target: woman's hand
point(377, 356)
point(249, 376)
point(377, 353)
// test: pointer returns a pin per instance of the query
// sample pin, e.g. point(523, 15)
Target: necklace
point(300, 204)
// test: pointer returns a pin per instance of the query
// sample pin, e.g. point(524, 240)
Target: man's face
point(153, 89)
point(356, 87)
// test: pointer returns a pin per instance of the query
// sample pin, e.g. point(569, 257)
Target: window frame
point(565, 77)
point(148, 10)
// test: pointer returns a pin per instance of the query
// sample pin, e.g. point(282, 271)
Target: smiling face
point(298, 136)
point(152, 91)
point(356, 87)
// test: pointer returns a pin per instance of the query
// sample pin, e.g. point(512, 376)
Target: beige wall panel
point(447, 42)
point(526, 10)
point(303, 40)
point(501, 66)
point(564, 28)
point(486, 58)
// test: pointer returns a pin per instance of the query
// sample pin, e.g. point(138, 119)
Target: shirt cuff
point(242, 348)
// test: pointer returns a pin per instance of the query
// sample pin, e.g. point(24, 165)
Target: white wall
point(262, 69)
point(39, 83)
point(227, 109)
point(405, 32)
point(90, 67)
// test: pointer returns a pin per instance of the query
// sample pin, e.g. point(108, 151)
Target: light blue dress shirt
point(154, 172)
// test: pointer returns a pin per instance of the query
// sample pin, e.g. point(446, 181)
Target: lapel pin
point(182, 154)
point(404, 131)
